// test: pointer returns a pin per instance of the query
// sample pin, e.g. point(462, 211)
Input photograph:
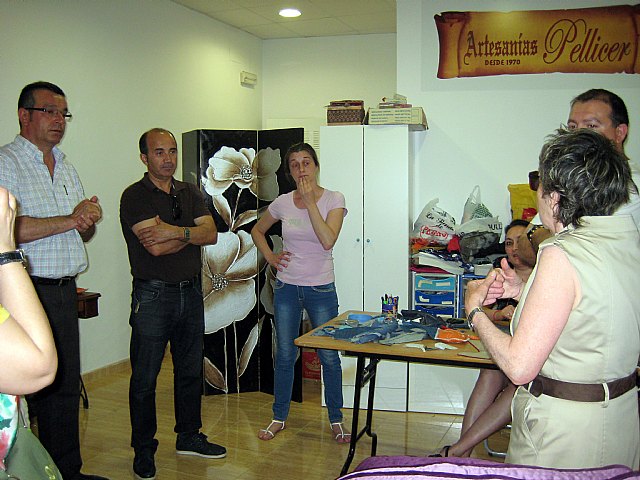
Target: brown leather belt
point(581, 392)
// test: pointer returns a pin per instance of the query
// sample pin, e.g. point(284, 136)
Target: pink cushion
point(413, 468)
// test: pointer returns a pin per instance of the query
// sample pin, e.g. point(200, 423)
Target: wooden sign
point(584, 40)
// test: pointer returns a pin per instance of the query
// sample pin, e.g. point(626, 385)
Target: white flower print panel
point(245, 169)
point(228, 286)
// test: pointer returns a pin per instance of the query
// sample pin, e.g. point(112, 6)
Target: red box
point(310, 365)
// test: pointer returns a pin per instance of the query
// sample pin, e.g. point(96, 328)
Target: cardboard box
point(414, 117)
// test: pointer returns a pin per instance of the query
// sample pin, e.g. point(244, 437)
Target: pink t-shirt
point(310, 264)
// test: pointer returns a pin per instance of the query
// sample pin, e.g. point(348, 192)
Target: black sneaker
point(197, 444)
point(144, 467)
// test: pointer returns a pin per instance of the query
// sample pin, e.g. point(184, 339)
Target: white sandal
point(268, 430)
point(341, 436)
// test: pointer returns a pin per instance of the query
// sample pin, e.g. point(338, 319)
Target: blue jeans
point(321, 303)
point(159, 314)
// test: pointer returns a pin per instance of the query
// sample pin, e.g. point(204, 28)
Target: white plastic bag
point(473, 207)
point(479, 229)
point(486, 224)
point(434, 225)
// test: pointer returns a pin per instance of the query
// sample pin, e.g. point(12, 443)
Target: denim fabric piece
point(381, 332)
point(324, 332)
point(408, 333)
point(350, 332)
point(366, 334)
point(367, 337)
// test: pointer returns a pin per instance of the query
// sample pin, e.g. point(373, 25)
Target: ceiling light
point(289, 12)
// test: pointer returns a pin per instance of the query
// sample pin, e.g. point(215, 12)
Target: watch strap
point(13, 256)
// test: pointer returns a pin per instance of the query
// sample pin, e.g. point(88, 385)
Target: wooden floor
point(305, 450)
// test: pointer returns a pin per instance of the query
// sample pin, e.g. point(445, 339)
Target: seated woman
point(503, 309)
point(29, 359)
point(488, 409)
point(576, 330)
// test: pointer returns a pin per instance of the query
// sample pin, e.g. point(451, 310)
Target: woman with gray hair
point(576, 330)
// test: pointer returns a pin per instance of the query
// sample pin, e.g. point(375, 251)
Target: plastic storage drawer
point(438, 284)
point(435, 298)
point(444, 311)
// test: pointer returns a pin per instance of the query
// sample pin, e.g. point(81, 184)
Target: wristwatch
point(470, 317)
point(15, 256)
point(187, 234)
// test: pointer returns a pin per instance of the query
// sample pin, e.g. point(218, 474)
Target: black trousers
point(162, 314)
point(57, 406)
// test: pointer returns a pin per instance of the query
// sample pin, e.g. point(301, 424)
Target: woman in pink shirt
point(311, 219)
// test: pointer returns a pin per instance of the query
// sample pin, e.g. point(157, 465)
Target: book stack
point(396, 111)
point(397, 101)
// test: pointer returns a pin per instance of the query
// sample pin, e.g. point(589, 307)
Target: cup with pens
point(389, 306)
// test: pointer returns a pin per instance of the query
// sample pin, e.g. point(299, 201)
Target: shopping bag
point(473, 207)
point(523, 199)
point(434, 226)
point(479, 230)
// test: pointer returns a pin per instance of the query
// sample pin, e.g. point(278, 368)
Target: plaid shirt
point(24, 173)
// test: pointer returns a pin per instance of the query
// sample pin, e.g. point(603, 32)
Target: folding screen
point(239, 173)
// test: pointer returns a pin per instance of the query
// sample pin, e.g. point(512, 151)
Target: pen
point(65, 190)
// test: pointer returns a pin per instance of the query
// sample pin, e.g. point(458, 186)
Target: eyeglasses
point(534, 180)
point(176, 208)
point(51, 112)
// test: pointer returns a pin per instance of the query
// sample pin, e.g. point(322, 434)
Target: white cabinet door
point(341, 169)
point(440, 389)
point(391, 385)
point(387, 221)
point(369, 165)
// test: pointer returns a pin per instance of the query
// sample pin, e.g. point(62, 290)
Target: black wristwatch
point(15, 256)
point(472, 314)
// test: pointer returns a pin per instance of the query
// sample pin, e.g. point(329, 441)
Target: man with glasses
point(164, 223)
point(606, 113)
point(53, 221)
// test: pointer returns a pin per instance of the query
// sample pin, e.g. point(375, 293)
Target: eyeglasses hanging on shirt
point(176, 208)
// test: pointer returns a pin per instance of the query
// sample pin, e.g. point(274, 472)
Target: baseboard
point(123, 366)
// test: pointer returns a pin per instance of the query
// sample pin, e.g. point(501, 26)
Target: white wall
point(488, 130)
point(301, 76)
point(126, 66)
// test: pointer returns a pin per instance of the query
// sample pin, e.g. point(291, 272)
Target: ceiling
point(320, 18)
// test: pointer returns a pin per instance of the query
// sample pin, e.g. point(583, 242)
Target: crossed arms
point(161, 238)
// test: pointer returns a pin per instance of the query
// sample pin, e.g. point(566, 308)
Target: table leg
point(372, 390)
point(363, 375)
